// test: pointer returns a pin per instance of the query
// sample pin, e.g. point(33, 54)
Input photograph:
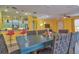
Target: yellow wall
point(30, 19)
point(68, 24)
point(40, 23)
point(53, 24)
point(37, 23)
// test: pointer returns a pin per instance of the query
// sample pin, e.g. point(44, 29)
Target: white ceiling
point(51, 10)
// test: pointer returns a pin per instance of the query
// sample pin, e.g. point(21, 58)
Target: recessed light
point(8, 16)
point(17, 12)
point(65, 17)
point(6, 10)
point(26, 13)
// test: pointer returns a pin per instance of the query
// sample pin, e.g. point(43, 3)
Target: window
point(76, 25)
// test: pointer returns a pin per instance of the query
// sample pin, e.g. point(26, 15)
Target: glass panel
point(76, 25)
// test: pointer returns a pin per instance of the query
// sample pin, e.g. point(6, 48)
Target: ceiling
point(47, 10)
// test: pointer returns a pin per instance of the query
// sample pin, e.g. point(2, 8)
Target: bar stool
point(10, 33)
